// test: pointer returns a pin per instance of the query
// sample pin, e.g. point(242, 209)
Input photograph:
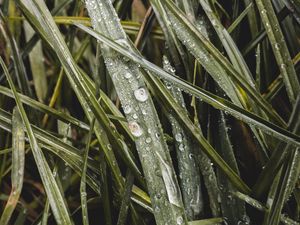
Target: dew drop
point(168, 85)
point(148, 140)
point(127, 75)
point(141, 94)
point(135, 129)
point(179, 220)
point(181, 147)
point(282, 66)
point(178, 137)
point(127, 109)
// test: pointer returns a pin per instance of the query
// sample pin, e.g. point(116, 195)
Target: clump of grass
point(149, 112)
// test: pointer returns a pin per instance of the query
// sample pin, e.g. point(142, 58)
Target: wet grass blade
point(188, 169)
point(17, 171)
point(86, 97)
point(126, 199)
point(143, 120)
point(83, 194)
point(215, 101)
point(215, 63)
point(37, 65)
point(54, 194)
point(20, 71)
point(207, 221)
point(280, 49)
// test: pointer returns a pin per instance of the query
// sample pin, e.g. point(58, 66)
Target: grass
point(149, 112)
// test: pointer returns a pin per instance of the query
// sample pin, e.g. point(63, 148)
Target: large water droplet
point(179, 220)
point(178, 137)
point(141, 94)
point(277, 46)
point(135, 129)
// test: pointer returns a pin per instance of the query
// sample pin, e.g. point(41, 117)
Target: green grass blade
point(37, 65)
point(20, 71)
point(232, 208)
point(188, 169)
point(280, 49)
point(215, 63)
point(83, 194)
point(126, 199)
point(143, 120)
point(66, 152)
point(206, 96)
point(211, 221)
point(238, 20)
point(170, 105)
point(45, 109)
point(54, 194)
point(278, 155)
point(18, 162)
point(46, 25)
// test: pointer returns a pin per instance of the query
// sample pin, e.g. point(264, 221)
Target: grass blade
point(18, 162)
point(188, 169)
point(54, 194)
point(145, 127)
point(280, 49)
point(215, 101)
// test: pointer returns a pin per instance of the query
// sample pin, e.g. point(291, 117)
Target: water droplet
point(246, 219)
point(157, 135)
point(109, 146)
point(158, 195)
point(283, 66)
point(127, 109)
point(127, 75)
point(181, 147)
point(178, 137)
point(179, 220)
point(168, 85)
point(135, 129)
point(148, 140)
point(141, 94)
point(263, 11)
point(135, 116)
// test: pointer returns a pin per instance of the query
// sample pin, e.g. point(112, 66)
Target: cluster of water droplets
point(142, 119)
point(188, 171)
